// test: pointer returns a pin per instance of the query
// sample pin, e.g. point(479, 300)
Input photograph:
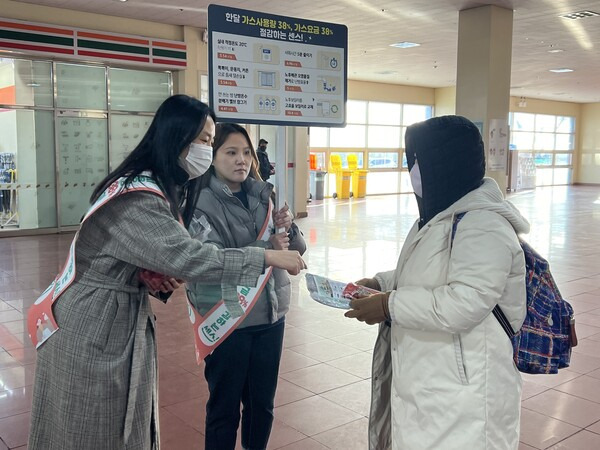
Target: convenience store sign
point(34, 38)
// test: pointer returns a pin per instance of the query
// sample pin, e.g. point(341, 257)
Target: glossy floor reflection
point(324, 387)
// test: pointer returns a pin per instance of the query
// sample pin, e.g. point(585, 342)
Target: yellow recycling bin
point(343, 177)
point(359, 183)
point(335, 161)
point(352, 161)
point(359, 177)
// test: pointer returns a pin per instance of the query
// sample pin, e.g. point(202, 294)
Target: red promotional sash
point(217, 324)
point(41, 323)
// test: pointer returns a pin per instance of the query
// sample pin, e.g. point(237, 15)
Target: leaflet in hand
point(335, 293)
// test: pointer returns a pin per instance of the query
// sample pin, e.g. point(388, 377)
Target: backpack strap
point(504, 323)
point(497, 311)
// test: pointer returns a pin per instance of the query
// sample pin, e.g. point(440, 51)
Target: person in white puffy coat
point(443, 372)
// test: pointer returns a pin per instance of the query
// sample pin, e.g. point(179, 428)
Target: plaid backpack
point(544, 342)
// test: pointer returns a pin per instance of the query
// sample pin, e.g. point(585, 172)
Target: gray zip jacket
point(232, 225)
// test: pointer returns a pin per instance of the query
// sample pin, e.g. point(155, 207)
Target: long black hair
point(177, 122)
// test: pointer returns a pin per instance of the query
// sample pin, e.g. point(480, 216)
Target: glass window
point(544, 141)
point(565, 124)
point(384, 113)
point(383, 183)
point(402, 138)
point(204, 89)
point(81, 87)
point(356, 111)
point(25, 83)
point(550, 134)
point(318, 137)
point(138, 90)
point(523, 122)
point(126, 131)
point(34, 83)
point(416, 113)
point(344, 157)
point(565, 141)
point(545, 123)
point(563, 159)
point(522, 140)
point(543, 159)
point(35, 142)
point(27, 169)
point(8, 91)
point(320, 160)
point(42, 84)
point(83, 163)
point(384, 137)
point(405, 182)
point(543, 177)
point(562, 176)
point(383, 160)
point(349, 136)
point(376, 126)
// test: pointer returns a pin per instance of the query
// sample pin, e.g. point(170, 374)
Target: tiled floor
point(324, 387)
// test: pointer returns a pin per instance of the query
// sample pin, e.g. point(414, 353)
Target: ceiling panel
point(373, 27)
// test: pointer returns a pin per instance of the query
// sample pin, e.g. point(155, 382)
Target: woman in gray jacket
point(96, 376)
point(236, 209)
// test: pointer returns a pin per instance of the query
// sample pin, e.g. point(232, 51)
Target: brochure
point(336, 294)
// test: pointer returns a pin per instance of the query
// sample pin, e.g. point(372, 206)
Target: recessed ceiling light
point(405, 44)
point(561, 70)
point(555, 50)
point(579, 15)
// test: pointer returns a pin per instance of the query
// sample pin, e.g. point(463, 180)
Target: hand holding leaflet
point(336, 294)
point(370, 283)
point(372, 309)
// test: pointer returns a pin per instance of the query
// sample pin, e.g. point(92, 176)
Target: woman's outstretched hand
point(289, 260)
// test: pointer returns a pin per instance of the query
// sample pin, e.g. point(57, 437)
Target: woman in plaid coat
point(96, 377)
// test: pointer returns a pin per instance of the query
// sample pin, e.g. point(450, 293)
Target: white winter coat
point(445, 365)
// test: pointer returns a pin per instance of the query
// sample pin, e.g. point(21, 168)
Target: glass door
point(82, 147)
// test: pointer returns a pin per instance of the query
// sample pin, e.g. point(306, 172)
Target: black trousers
point(243, 369)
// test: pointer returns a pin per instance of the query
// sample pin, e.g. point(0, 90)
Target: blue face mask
point(415, 179)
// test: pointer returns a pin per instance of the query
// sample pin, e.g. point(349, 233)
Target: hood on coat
point(451, 161)
point(489, 197)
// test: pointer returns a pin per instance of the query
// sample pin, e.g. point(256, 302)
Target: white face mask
point(415, 179)
point(197, 161)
